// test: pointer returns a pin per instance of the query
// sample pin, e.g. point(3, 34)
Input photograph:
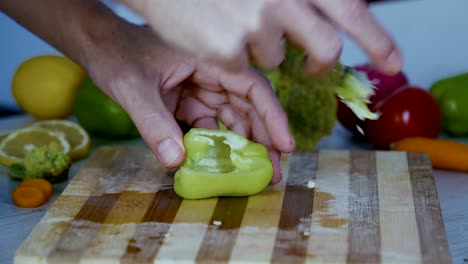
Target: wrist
point(96, 36)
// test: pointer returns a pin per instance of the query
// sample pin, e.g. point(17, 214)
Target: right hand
point(232, 33)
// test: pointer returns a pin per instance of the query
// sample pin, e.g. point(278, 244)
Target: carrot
point(28, 197)
point(444, 154)
point(44, 185)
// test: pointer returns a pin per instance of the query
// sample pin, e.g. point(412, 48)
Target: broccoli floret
point(311, 102)
point(47, 162)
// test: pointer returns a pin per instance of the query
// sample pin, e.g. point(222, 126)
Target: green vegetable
point(452, 96)
point(311, 102)
point(47, 162)
point(100, 115)
point(354, 90)
point(222, 163)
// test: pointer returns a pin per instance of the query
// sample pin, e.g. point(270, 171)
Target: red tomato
point(411, 111)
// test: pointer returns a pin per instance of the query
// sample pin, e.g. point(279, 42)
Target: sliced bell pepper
point(222, 163)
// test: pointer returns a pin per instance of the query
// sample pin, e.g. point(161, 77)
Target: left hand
point(155, 83)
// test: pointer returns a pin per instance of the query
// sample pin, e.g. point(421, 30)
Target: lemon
point(77, 137)
point(17, 143)
point(45, 86)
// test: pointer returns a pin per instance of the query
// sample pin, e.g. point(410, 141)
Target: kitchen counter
point(16, 223)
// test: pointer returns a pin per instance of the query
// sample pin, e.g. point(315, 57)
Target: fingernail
point(394, 62)
point(168, 151)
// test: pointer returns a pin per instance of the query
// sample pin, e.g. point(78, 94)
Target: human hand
point(155, 83)
point(232, 33)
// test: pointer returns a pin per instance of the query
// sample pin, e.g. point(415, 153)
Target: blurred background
point(431, 34)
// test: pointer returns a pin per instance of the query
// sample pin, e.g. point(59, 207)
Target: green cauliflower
point(47, 162)
point(311, 102)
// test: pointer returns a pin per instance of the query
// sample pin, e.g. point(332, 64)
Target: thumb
point(158, 129)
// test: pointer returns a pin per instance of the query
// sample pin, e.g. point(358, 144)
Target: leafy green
point(354, 90)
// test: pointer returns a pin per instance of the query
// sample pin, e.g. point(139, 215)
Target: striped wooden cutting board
point(367, 207)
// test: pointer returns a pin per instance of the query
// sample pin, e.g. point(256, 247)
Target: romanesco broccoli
point(47, 162)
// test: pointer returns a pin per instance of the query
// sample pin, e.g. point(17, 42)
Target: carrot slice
point(444, 154)
point(28, 197)
point(44, 185)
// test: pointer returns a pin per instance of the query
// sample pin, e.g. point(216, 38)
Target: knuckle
point(382, 51)
point(267, 63)
point(330, 53)
point(261, 81)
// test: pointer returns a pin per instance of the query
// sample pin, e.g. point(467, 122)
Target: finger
point(257, 127)
point(209, 98)
point(261, 135)
point(240, 105)
point(259, 131)
point(354, 17)
point(243, 110)
point(311, 32)
point(266, 48)
point(256, 89)
point(191, 109)
point(275, 157)
point(171, 98)
point(206, 122)
point(156, 124)
point(233, 121)
point(207, 77)
point(235, 62)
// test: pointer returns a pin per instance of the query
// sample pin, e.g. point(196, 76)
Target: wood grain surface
point(367, 207)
